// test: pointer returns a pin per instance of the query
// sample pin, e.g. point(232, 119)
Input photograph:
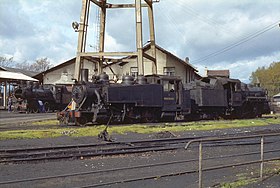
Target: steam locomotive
point(53, 97)
point(161, 98)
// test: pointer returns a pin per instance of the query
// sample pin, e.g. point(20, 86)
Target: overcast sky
point(239, 35)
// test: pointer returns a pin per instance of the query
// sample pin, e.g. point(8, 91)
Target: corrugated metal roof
point(15, 76)
point(277, 95)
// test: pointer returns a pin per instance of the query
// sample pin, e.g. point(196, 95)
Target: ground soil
point(53, 168)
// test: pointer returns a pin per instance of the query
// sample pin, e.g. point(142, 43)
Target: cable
point(212, 23)
point(243, 40)
point(196, 14)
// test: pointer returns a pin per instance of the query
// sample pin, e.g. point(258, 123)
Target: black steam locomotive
point(51, 97)
point(155, 98)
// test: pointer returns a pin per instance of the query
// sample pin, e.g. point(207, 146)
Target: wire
point(170, 19)
point(243, 40)
point(204, 19)
point(213, 23)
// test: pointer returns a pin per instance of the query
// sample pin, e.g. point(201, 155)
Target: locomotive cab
point(176, 100)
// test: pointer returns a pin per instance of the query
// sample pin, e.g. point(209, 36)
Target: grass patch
point(243, 179)
point(50, 133)
point(46, 122)
point(136, 128)
point(240, 183)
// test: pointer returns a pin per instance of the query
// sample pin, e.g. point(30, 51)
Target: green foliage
point(272, 168)
point(239, 183)
point(269, 78)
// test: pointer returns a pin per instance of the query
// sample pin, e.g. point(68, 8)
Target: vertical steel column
point(152, 36)
point(139, 37)
point(200, 166)
point(262, 158)
point(102, 35)
point(80, 40)
point(5, 95)
point(86, 26)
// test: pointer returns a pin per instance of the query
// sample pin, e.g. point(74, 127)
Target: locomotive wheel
point(35, 110)
point(47, 107)
point(81, 121)
point(149, 117)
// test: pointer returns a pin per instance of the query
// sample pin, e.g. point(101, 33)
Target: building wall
point(65, 74)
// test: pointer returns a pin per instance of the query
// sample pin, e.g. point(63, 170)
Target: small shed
point(8, 79)
point(276, 97)
point(219, 73)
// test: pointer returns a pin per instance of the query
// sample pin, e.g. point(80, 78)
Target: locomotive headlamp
point(75, 26)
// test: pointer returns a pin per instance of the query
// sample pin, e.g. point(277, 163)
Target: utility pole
point(101, 54)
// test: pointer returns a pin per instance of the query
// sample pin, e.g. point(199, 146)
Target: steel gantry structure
point(103, 5)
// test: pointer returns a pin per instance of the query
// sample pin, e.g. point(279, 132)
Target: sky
point(239, 35)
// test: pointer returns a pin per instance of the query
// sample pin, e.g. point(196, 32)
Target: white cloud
point(31, 29)
point(242, 69)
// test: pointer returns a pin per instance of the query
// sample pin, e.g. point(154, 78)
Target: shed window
point(134, 71)
point(169, 71)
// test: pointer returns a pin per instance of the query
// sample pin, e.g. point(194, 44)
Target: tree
point(41, 65)
point(7, 62)
point(24, 65)
point(269, 78)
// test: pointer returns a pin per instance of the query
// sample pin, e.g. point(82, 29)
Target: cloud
point(242, 69)
point(32, 29)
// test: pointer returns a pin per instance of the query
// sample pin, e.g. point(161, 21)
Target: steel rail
point(201, 141)
point(131, 167)
point(177, 174)
point(56, 155)
point(64, 154)
point(100, 144)
point(121, 151)
point(229, 138)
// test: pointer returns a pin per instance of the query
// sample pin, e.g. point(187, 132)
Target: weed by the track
point(46, 122)
point(135, 128)
point(273, 168)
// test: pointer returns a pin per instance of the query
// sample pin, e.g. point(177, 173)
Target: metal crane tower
point(103, 5)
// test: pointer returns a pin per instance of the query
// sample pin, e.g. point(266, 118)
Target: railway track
point(149, 166)
point(89, 150)
point(35, 154)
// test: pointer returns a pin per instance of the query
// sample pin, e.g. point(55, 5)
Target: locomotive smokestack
point(84, 75)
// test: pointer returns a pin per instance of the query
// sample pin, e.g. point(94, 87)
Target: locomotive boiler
point(53, 97)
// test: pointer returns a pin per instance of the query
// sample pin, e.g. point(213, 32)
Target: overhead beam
point(149, 2)
point(124, 5)
point(97, 54)
point(149, 57)
point(97, 3)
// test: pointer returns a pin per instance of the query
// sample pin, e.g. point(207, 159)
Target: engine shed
point(167, 63)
